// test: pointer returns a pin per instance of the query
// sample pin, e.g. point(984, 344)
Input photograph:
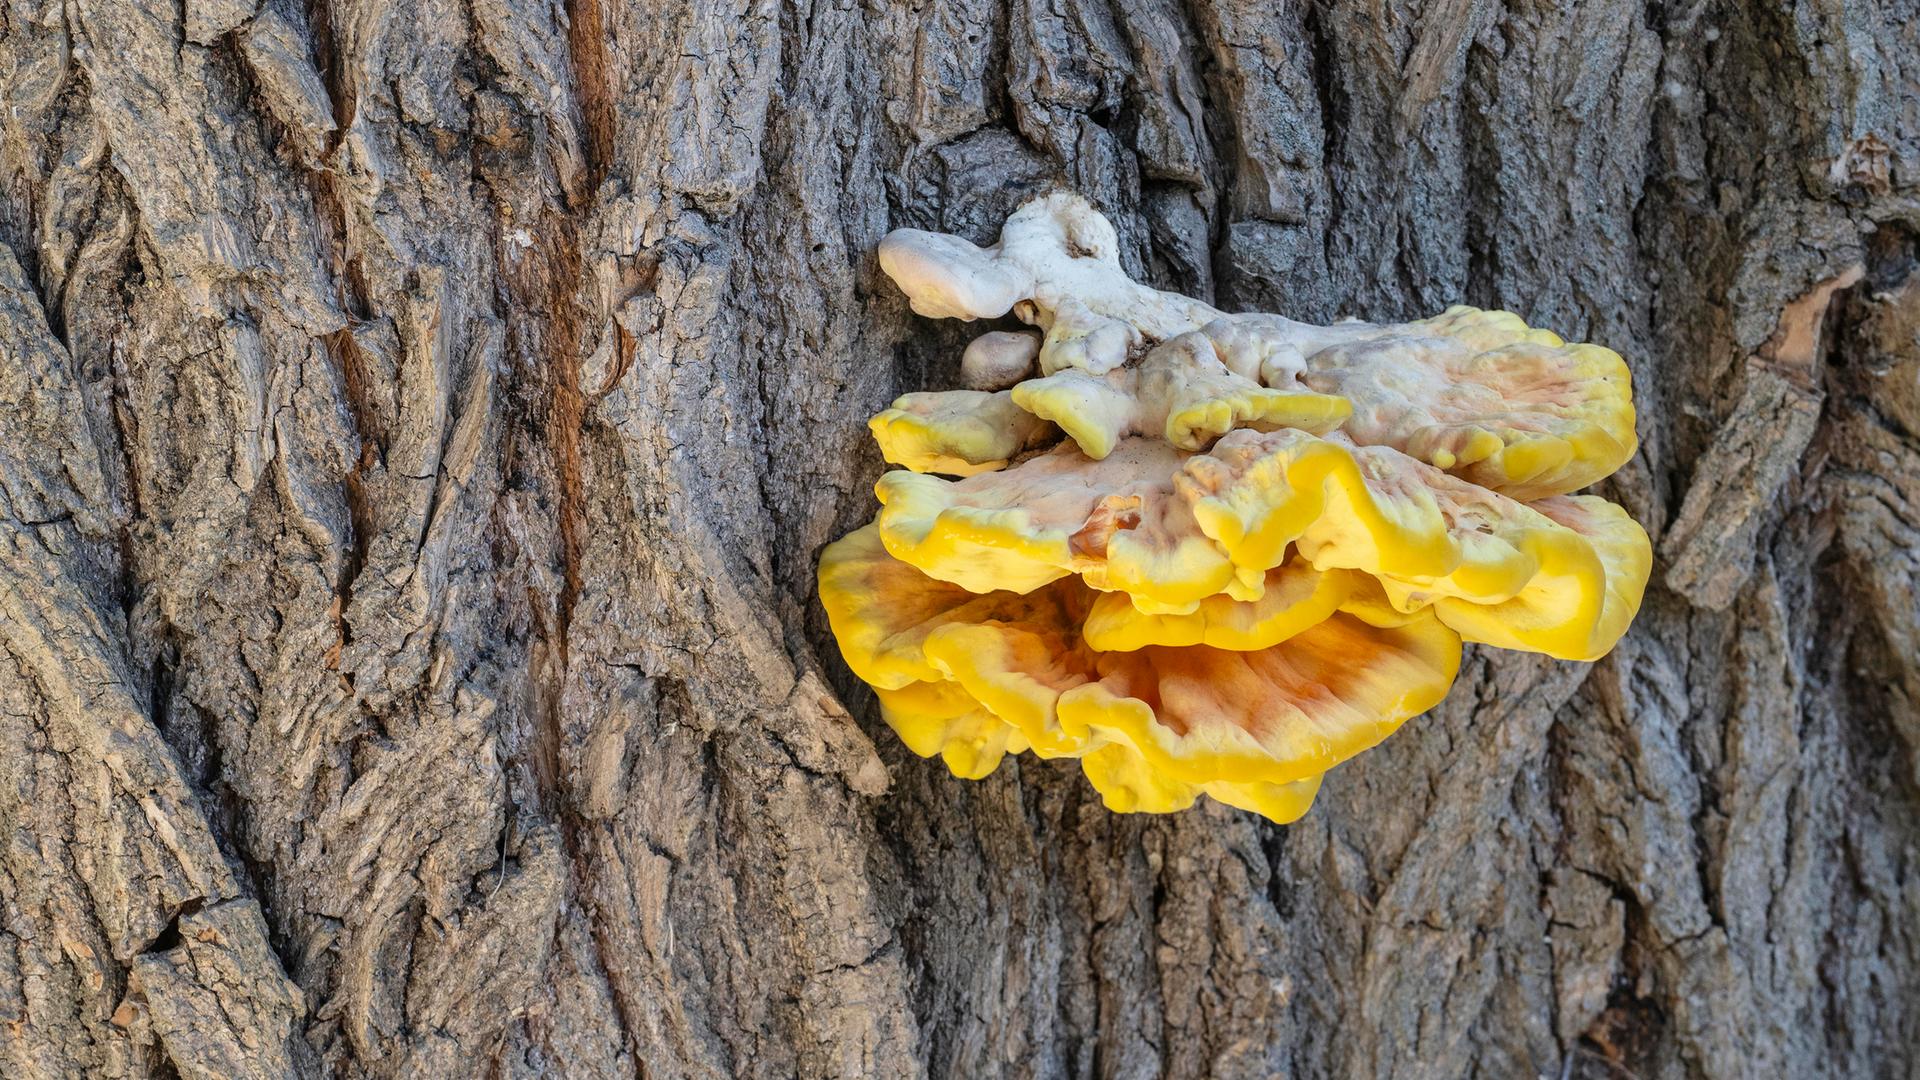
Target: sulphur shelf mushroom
point(1216, 554)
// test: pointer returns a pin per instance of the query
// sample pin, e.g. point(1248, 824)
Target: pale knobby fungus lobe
point(1216, 554)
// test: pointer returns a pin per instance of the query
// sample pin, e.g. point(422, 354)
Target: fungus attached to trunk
point(1217, 554)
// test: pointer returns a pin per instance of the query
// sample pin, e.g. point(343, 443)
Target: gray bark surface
point(418, 423)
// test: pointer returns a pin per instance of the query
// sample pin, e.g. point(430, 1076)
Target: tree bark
point(418, 423)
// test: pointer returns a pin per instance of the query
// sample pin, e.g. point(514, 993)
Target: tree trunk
point(418, 423)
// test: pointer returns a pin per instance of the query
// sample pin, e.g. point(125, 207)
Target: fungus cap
point(1171, 530)
point(956, 432)
point(1488, 398)
point(1116, 521)
point(972, 677)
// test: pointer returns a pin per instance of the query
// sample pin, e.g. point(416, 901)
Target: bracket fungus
point(1209, 553)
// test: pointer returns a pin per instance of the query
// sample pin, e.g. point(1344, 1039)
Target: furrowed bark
point(421, 421)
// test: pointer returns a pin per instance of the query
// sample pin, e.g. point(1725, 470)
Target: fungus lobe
point(1213, 554)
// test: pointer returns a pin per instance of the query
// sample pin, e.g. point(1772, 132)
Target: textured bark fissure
point(560, 342)
point(345, 354)
point(587, 49)
point(327, 54)
point(550, 328)
point(567, 418)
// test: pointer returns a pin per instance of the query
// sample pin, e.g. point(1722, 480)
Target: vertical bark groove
point(421, 422)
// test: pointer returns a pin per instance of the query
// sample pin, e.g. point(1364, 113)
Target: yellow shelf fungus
point(973, 677)
point(1482, 395)
point(1254, 546)
point(1180, 392)
point(1477, 393)
point(956, 432)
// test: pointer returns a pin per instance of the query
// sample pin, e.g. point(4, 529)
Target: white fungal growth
point(998, 359)
point(1058, 260)
point(1478, 393)
point(945, 277)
